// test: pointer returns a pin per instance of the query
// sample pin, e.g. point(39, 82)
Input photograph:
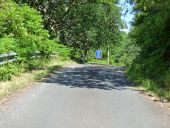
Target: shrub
point(9, 70)
point(22, 31)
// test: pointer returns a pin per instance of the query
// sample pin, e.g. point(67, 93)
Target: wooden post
point(108, 56)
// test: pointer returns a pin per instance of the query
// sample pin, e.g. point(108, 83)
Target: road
point(83, 96)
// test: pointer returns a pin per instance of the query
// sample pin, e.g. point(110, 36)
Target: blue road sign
point(98, 54)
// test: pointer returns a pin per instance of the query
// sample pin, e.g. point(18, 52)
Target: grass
point(155, 87)
point(26, 79)
point(105, 62)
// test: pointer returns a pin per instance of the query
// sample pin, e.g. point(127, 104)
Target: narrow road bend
point(83, 96)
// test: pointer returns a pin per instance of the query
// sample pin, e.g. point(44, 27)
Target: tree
point(81, 24)
point(151, 32)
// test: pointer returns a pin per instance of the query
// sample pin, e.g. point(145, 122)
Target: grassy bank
point(104, 62)
point(156, 87)
point(25, 79)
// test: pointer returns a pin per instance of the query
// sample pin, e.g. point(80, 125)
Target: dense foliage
point(82, 24)
point(22, 31)
point(126, 51)
point(151, 32)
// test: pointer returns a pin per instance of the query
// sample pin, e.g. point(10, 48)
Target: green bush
point(22, 31)
point(150, 32)
point(7, 44)
point(9, 70)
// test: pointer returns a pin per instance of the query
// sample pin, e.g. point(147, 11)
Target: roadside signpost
point(108, 55)
point(98, 54)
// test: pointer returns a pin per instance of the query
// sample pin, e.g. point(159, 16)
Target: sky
point(128, 17)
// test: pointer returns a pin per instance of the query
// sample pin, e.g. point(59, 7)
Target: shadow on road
point(99, 77)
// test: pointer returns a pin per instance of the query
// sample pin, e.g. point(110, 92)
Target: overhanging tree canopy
point(81, 24)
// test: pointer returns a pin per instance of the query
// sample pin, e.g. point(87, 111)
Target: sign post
point(108, 55)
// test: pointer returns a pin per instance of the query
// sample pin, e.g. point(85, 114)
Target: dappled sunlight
point(90, 76)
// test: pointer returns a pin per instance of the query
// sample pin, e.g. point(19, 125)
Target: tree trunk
point(62, 37)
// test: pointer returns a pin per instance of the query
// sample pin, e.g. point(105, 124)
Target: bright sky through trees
point(127, 14)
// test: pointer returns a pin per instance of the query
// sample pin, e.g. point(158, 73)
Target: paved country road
point(83, 96)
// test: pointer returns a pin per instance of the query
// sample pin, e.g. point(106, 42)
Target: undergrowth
point(25, 78)
point(160, 86)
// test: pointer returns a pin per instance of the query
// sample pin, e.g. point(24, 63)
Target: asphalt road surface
point(83, 96)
